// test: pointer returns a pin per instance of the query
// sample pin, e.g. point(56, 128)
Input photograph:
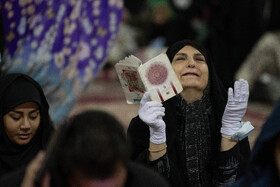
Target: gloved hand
point(151, 112)
point(235, 108)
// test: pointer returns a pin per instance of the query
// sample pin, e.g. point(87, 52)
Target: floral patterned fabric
point(62, 44)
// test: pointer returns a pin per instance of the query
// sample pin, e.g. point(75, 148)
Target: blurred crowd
point(52, 50)
point(230, 30)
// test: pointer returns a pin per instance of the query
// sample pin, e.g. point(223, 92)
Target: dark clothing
point(234, 27)
point(137, 176)
point(193, 136)
point(17, 89)
point(262, 169)
point(175, 172)
point(13, 179)
point(140, 176)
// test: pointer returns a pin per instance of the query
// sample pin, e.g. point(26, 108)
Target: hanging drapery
point(60, 43)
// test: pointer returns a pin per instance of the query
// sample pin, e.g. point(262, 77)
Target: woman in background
point(25, 125)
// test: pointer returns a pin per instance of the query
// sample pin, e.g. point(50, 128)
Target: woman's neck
point(191, 95)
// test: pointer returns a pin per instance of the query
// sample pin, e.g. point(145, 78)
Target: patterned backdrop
point(62, 44)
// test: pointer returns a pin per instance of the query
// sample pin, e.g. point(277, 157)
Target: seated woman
point(194, 138)
point(25, 125)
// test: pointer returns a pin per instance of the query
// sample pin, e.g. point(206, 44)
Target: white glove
point(235, 108)
point(151, 112)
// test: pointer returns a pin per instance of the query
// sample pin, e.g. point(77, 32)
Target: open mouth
point(190, 74)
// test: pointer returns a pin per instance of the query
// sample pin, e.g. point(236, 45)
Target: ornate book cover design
point(156, 76)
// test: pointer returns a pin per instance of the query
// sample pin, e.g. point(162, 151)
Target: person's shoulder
point(142, 176)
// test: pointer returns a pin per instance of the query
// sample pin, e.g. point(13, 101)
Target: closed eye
point(200, 59)
point(34, 115)
point(15, 118)
point(180, 58)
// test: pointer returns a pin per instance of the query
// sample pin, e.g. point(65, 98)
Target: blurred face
point(22, 122)
point(191, 68)
point(160, 14)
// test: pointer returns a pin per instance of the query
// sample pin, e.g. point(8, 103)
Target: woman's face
point(22, 123)
point(191, 68)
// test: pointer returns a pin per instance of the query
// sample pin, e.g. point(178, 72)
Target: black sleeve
point(232, 164)
point(227, 167)
point(138, 135)
point(162, 166)
point(13, 179)
point(244, 155)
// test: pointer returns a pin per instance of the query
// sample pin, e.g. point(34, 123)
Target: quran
point(155, 76)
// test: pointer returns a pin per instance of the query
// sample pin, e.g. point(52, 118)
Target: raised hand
point(151, 112)
point(235, 108)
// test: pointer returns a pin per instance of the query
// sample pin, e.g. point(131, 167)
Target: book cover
point(155, 76)
point(132, 85)
point(159, 78)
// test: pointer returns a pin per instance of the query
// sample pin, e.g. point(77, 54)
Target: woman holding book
point(195, 138)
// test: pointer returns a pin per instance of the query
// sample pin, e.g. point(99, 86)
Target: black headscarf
point(16, 89)
point(218, 94)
